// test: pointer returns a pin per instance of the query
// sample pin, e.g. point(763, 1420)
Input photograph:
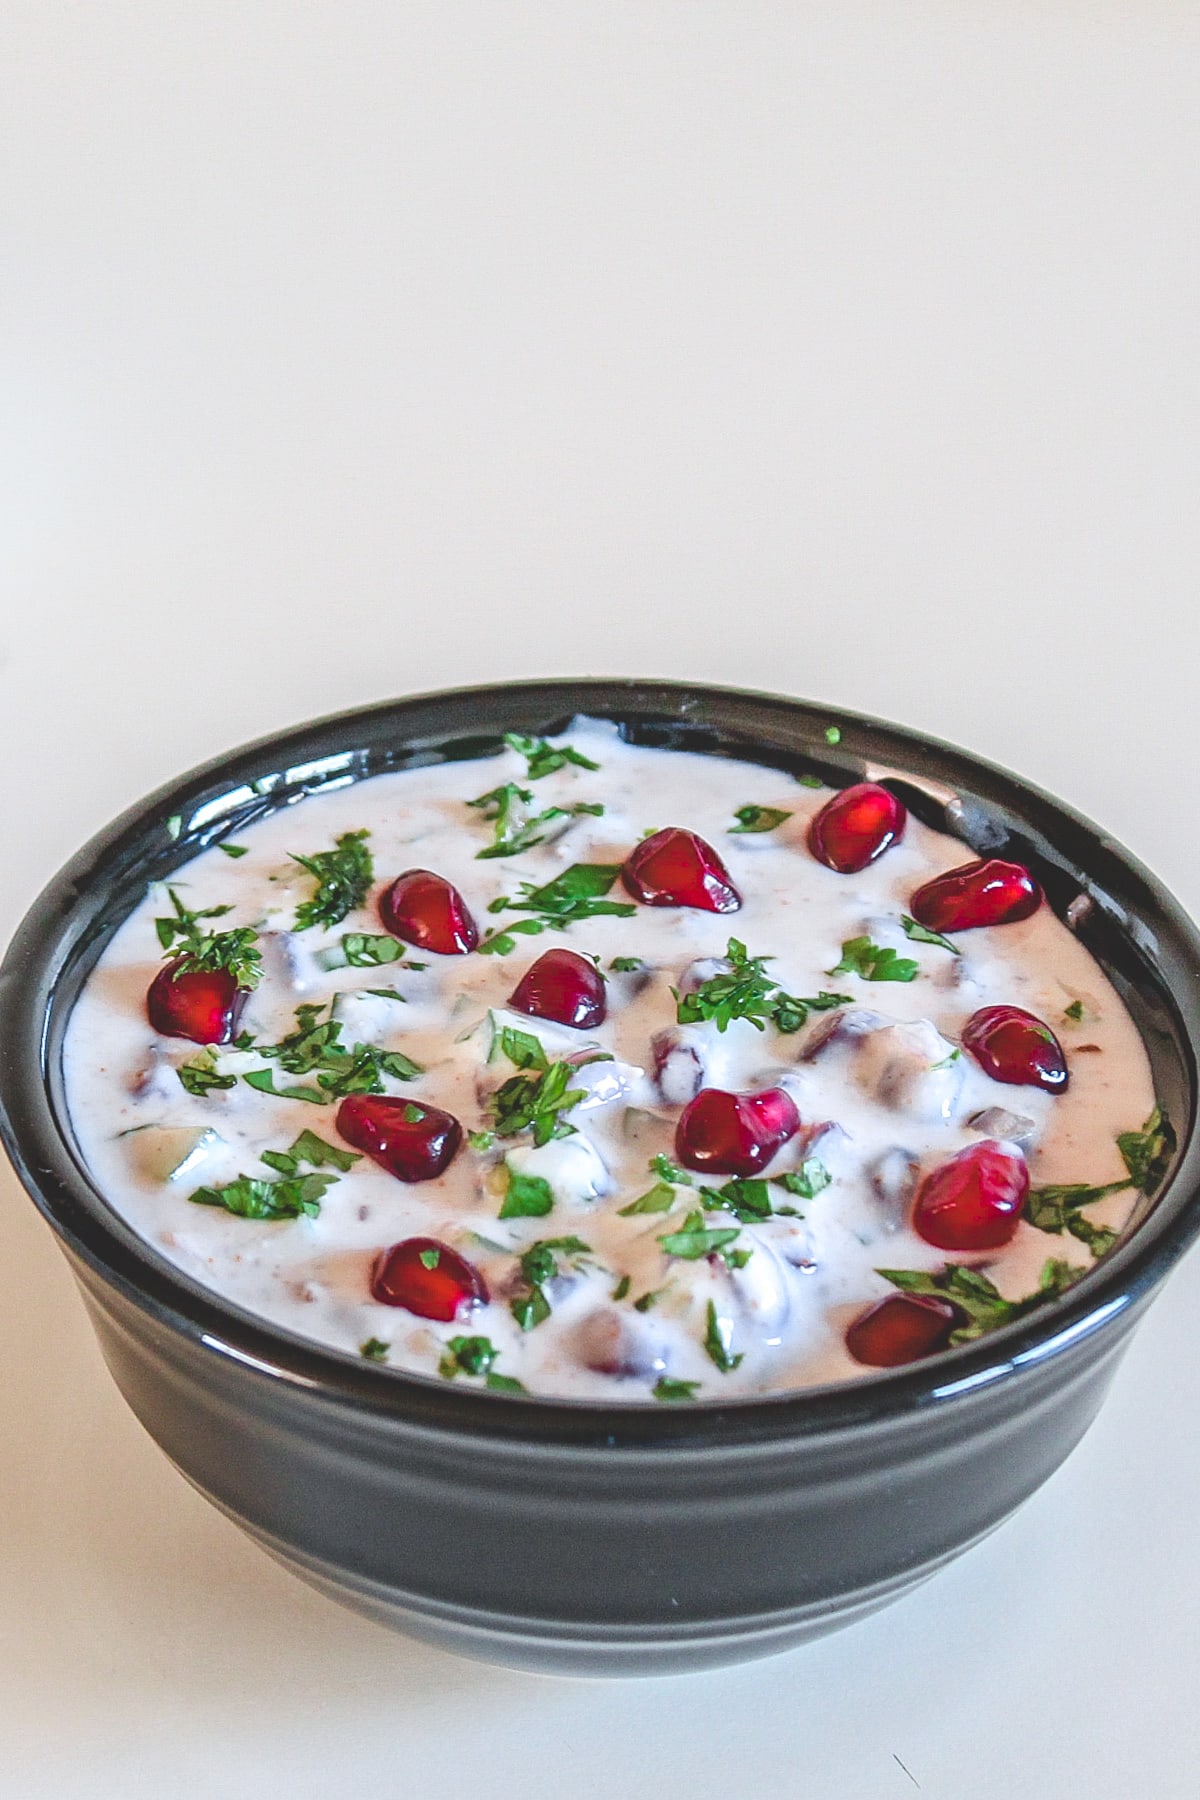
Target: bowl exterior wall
point(598, 1561)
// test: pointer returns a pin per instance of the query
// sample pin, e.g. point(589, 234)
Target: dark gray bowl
point(571, 1536)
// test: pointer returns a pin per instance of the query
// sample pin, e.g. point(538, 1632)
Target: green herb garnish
point(578, 893)
point(343, 876)
point(622, 1288)
point(251, 1198)
point(527, 1197)
point(757, 818)
point(503, 1384)
point(467, 1356)
point(311, 1149)
point(182, 938)
point(695, 1240)
point(1058, 1207)
point(921, 934)
point(371, 950)
point(543, 758)
point(1074, 1012)
point(516, 830)
point(626, 965)
point(875, 962)
point(833, 734)
point(234, 850)
point(375, 1350)
point(716, 1345)
point(201, 1076)
point(666, 1389)
point(659, 1199)
point(985, 1307)
point(746, 991)
point(315, 1048)
point(539, 1264)
point(536, 1099)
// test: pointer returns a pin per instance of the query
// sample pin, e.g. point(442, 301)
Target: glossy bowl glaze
point(582, 1537)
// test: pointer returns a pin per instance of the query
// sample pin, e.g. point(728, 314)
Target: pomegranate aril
point(856, 826)
point(902, 1329)
point(973, 1201)
point(734, 1134)
point(677, 868)
point(564, 987)
point(427, 910)
point(201, 1004)
point(412, 1141)
point(1014, 1046)
point(427, 1278)
point(979, 893)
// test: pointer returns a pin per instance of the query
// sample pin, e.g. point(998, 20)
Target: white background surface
point(360, 348)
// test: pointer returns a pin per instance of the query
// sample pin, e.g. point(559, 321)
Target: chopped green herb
point(539, 1264)
point(810, 781)
point(313, 1150)
point(746, 991)
point(236, 850)
point(516, 830)
point(503, 1384)
point(520, 1047)
point(201, 1076)
point(264, 1081)
point(194, 949)
point(646, 1301)
point(1074, 1012)
point(666, 1170)
point(251, 1198)
point(757, 818)
point(659, 1199)
point(666, 1389)
point(716, 1343)
point(431, 1258)
point(315, 1047)
point(921, 934)
point(626, 965)
point(343, 876)
point(375, 1350)
point(833, 734)
point(748, 1200)
point(1057, 1208)
point(875, 962)
point(1146, 1153)
point(622, 1288)
point(527, 1197)
point(809, 1180)
point(978, 1298)
point(543, 758)
point(536, 1099)
point(578, 893)
point(695, 1240)
point(481, 1140)
point(467, 1356)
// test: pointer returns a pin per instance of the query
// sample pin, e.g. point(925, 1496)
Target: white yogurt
point(150, 1144)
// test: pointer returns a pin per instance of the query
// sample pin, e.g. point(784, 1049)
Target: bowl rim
point(49, 938)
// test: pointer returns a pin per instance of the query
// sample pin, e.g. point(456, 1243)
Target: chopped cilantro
point(201, 1076)
point(875, 962)
point(194, 949)
point(313, 1150)
point(646, 1301)
point(810, 781)
point(578, 893)
point(481, 1140)
point(757, 818)
point(235, 850)
point(431, 1257)
point(695, 1240)
point(921, 934)
point(809, 1180)
point(982, 1303)
point(1074, 1012)
point(467, 1356)
point(1057, 1208)
point(503, 1384)
point(543, 758)
point(527, 1197)
point(746, 991)
point(666, 1389)
point(716, 1342)
point(535, 1100)
point(521, 1048)
point(626, 965)
point(833, 734)
point(315, 1047)
point(343, 876)
point(370, 950)
point(516, 830)
point(621, 1289)
point(658, 1199)
point(249, 1197)
point(375, 1350)
point(539, 1264)
point(666, 1170)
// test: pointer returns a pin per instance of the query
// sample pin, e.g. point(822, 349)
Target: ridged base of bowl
point(547, 1647)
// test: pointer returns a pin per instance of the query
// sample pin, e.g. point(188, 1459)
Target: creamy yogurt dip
point(598, 1264)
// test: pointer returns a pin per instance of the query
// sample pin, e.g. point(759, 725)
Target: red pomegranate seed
point(902, 1329)
point(677, 868)
point(856, 826)
point(973, 1201)
point(427, 1278)
point(412, 1141)
point(1013, 1045)
point(979, 893)
point(427, 910)
point(734, 1134)
point(564, 987)
point(202, 1004)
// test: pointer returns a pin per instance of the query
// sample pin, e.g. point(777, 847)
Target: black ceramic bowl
point(581, 1537)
